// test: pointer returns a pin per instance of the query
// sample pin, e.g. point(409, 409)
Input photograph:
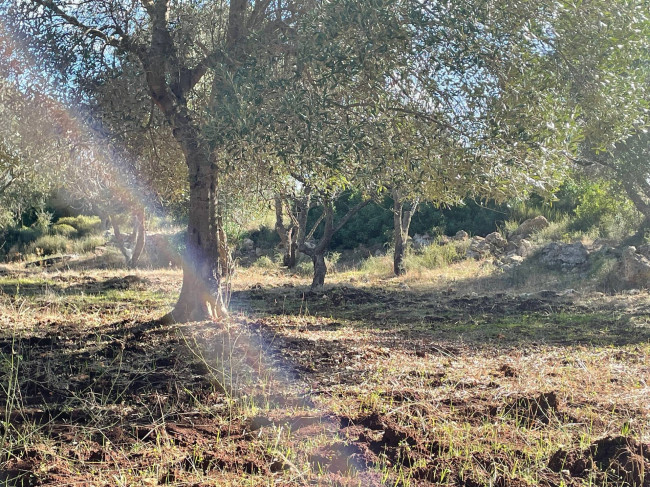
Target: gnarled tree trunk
point(225, 259)
point(201, 294)
point(402, 216)
point(139, 232)
point(320, 270)
point(288, 235)
point(137, 237)
point(317, 251)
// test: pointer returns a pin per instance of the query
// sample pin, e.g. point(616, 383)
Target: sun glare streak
point(92, 168)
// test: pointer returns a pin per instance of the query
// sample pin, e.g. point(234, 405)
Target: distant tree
point(30, 158)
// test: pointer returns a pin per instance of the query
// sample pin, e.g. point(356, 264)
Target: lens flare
point(90, 168)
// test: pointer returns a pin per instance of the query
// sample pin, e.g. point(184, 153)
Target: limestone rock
point(495, 239)
point(513, 259)
point(460, 236)
point(644, 250)
point(478, 248)
point(421, 241)
point(635, 268)
point(525, 248)
point(564, 256)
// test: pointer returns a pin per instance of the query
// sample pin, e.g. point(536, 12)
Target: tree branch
point(351, 212)
point(123, 42)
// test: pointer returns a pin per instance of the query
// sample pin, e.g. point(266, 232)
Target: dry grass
point(440, 377)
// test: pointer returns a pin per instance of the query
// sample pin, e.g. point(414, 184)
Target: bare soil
point(360, 384)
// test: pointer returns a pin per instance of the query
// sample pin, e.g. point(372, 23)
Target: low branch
point(351, 212)
point(315, 227)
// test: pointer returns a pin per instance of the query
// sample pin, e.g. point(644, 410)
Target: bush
point(43, 221)
point(178, 242)
point(435, 256)
point(264, 237)
point(378, 265)
point(64, 229)
point(49, 244)
point(331, 259)
point(85, 225)
point(604, 208)
point(20, 237)
point(265, 262)
point(87, 244)
point(305, 268)
point(6, 219)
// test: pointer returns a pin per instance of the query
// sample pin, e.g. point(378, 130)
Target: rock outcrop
point(564, 256)
point(635, 268)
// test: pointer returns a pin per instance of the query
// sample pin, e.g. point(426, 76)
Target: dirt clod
point(617, 459)
point(527, 410)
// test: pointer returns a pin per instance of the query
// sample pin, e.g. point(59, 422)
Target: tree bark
point(140, 236)
point(201, 294)
point(320, 270)
point(402, 216)
point(317, 252)
point(169, 81)
point(225, 259)
point(119, 239)
point(287, 234)
point(635, 195)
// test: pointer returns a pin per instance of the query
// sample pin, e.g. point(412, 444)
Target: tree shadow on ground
point(128, 385)
point(494, 320)
point(102, 388)
point(33, 286)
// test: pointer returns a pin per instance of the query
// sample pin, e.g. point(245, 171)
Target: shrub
point(6, 219)
point(64, 229)
point(88, 244)
point(43, 221)
point(378, 265)
point(178, 242)
point(606, 209)
point(557, 231)
point(265, 262)
point(20, 237)
point(263, 237)
point(435, 256)
point(85, 225)
point(331, 260)
point(49, 244)
point(305, 268)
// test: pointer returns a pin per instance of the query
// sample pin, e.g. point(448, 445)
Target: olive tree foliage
point(528, 87)
point(325, 119)
point(629, 163)
point(611, 93)
point(49, 147)
point(30, 155)
point(592, 64)
point(23, 168)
